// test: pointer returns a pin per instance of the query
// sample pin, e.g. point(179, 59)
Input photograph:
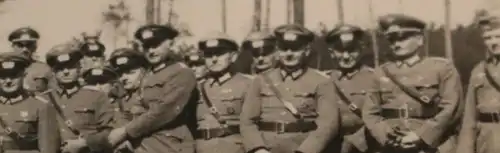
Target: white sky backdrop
point(59, 20)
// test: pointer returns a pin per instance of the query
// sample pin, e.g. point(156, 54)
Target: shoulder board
point(92, 88)
point(42, 99)
point(322, 73)
point(183, 65)
point(248, 76)
point(369, 69)
point(439, 59)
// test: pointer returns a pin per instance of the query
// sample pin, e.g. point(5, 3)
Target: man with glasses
point(353, 82)
point(221, 98)
point(262, 45)
point(479, 133)
point(166, 94)
point(416, 101)
point(39, 75)
point(290, 108)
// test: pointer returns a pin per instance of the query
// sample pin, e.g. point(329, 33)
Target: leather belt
point(22, 145)
point(208, 134)
point(287, 127)
point(389, 113)
point(489, 117)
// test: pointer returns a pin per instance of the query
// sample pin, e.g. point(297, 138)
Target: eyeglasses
point(400, 36)
point(93, 54)
point(214, 52)
point(294, 47)
point(24, 44)
point(264, 51)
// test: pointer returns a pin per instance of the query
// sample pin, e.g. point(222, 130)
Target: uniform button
point(287, 89)
point(63, 106)
point(230, 110)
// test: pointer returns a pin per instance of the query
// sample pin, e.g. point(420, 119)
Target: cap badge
point(212, 43)
point(346, 37)
point(290, 36)
point(8, 65)
point(24, 114)
point(258, 43)
point(194, 57)
point(93, 47)
point(121, 60)
point(394, 28)
point(63, 58)
point(97, 72)
point(147, 34)
point(25, 37)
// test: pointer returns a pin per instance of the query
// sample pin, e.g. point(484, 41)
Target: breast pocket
point(153, 92)
point(84, 116)
point(269, 99)
point(430, 90)
point(26, 124)
point(307, 103)
point(233, 104)
point(385, 95)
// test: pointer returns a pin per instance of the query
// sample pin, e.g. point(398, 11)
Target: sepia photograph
point(250, 76)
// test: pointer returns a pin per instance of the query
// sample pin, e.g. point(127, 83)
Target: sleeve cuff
point(429, 134)
point(257, 148)
point(99, 142)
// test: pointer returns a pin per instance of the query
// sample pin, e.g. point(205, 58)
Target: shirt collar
point(221, 79)
point(348, 75)
point(68, 92)
point(159, 67)
point(411, 61)
point(292, 75)
point(12, 100)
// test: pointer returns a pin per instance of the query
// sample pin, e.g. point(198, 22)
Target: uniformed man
point(416, 101)
point(165, 94)
point(195, 60)
point(131, 66)
point(479, 133)
point(262, 45)
point(221, 98)
point(100, 77)
point(352, 79)
point(81, 110)
point(27, 122)
point(93, 55)
point(290, 108)
point(91, 36)
point(38, 75)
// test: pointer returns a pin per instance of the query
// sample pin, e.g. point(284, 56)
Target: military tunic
point(162, 126)
point(355, 86)
point(86, 110)
point(310, 92)
point(479, 133)
point(226, 95)
point(33, 121)
point(390, 107)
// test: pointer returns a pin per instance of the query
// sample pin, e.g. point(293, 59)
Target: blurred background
point(450, 33)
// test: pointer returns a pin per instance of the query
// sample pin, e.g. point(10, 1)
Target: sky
point(59, 20)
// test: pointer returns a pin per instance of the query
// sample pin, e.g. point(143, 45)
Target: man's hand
point(73, 146)
point(117, 136)
point(410, 140)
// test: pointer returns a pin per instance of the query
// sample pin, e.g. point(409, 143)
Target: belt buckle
point(495, 117)
point(207, 134)
point(280, 127)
